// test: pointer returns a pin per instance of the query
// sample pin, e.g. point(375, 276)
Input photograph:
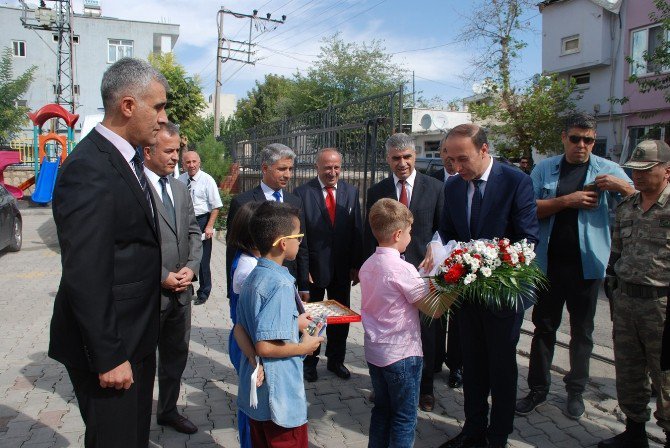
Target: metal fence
point(358, 129)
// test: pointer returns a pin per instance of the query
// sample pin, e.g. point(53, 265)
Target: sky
point(422, 35)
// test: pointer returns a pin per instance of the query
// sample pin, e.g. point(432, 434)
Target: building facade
point(99, 41)
point(584, 41)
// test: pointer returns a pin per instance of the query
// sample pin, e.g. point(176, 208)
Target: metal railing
point(358, 129)
point(25, 148)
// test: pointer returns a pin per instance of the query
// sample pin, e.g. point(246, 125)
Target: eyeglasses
point(576, 138)
point(297, 237)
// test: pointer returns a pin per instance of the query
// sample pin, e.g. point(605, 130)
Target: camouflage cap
point(647, 154)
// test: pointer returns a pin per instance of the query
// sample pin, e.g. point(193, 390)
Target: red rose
point(454, 274)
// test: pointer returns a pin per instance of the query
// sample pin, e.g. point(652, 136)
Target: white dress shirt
point(471, 186)
point(268, 192)
point(125, 148)
point(325, 192)
point(409, 186)
point(204, 192)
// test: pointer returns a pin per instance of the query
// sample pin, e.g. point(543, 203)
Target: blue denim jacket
point(593, 225)
point(267, 310)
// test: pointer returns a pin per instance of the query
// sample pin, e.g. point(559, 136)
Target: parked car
point(430, 165)
point(11, 224)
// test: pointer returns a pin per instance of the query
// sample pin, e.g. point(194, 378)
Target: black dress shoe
point(338, 369)
point(465, 441)
point(309, 373)
point(180, 424)
point(200, 300)
point(427, 402)
point(455, 379)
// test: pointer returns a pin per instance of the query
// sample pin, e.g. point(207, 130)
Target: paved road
point(38, 408)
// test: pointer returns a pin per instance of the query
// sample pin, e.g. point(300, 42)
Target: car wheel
point(17, 236)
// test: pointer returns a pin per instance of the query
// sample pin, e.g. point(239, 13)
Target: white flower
point(486, 271)
point(469, 279)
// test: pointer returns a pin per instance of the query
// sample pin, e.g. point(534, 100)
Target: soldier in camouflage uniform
point(641, 263)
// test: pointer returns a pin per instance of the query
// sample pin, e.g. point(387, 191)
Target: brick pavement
point(38, 409)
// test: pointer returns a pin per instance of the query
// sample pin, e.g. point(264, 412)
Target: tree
point(342, 72)
point(658, 60)
point(530, 120)
point(523, 121)
point(185, 99)
point(12, 116)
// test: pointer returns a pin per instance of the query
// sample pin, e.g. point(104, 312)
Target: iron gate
point(358, 129)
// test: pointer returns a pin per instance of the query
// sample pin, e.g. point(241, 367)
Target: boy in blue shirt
point(270, 311)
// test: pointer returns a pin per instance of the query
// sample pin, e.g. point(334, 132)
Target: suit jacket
point(298, 268)
point(439, 175)
point(107, 306)
point(333, 250)
point(508, 208)
point(425, 204)
point(181, 246)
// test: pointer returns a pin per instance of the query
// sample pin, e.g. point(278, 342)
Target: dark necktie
point(330, 204)
point(277, 196)
point(138, 164)
point(167, 202)
point(475, 208)
point(403, 194)
point(188, 184)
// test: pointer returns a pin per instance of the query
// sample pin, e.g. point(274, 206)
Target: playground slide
point(46, 180)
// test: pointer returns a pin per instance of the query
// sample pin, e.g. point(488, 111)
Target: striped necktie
point(138, 164)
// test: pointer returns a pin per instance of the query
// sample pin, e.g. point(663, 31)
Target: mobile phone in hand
point(590, 187)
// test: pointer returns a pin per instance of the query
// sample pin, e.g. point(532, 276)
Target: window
point(75, 38)
point(19, 48)
point(21, 103)
point(118, 48)
point(76, 89)
point(646, 41)
point(570, 45)
point(582, 79)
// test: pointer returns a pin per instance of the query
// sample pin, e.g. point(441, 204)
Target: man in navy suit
point(486, 200)
point(453, 355)
point(424, 196)
point(334, 233)
point(277, 167)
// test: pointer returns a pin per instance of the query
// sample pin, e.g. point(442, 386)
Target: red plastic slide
point(10, 158)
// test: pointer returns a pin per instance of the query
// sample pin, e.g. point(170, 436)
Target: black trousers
point(454, 358)
point(173, 342)
point(336, 335)
point(433, 335)
point(566, 286)
point(116, 418)
point(489, 340)
point(205, 275)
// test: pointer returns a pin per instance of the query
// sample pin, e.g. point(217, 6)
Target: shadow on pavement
point(17, 428)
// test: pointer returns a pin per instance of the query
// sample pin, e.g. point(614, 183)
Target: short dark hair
point(474, 131)
point(171, 128)
point(270, 221)
point(580, 120)
point(239, 233)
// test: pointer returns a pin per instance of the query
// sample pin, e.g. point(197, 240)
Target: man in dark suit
point(424, 196)
point(453, 355)
point(105, 321)
point(277, 167)
point(486, 200)
point(181, 250)
point(334, 233)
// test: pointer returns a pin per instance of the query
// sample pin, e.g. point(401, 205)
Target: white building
point(429, 126)
point(227, 106)
point(99, 41)
point(585, 40)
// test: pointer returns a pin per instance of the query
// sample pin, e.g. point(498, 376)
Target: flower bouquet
point(494, 273)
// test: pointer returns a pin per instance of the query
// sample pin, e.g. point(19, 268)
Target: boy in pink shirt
point(390, 289)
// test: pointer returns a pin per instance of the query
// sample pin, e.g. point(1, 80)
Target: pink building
point(588, 41)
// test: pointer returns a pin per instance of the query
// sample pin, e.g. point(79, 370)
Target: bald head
point(329, 166)
point(191, 162)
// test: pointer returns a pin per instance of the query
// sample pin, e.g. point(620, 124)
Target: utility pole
point(59, 20)
point(248, 52)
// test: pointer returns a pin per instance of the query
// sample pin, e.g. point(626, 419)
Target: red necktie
point(403, 194)
point(330, 204)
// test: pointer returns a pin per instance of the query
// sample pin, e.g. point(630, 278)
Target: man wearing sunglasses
point(574, 192)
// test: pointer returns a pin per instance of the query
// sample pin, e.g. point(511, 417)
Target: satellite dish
point(426, 121)
point(441, 120)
